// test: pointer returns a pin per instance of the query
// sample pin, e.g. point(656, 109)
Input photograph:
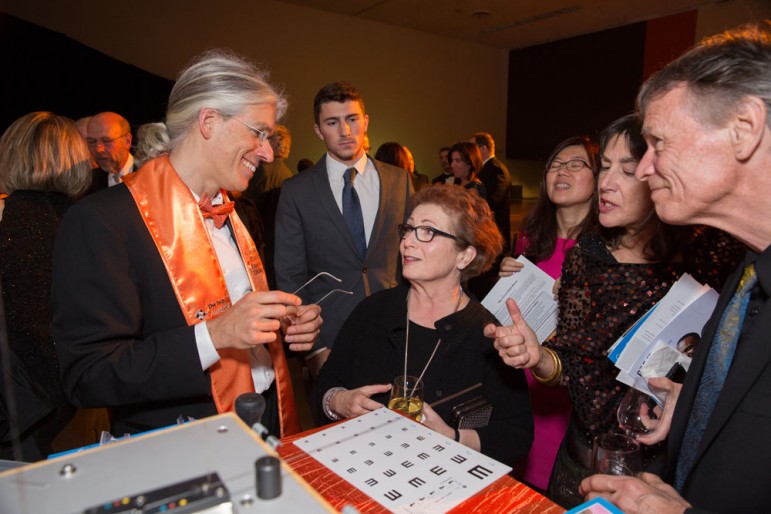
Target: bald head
point(82, 125)
point(109, 139)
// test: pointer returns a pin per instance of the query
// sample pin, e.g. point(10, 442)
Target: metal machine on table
point(215, 465)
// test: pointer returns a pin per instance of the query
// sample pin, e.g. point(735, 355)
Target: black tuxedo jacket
point(120, 335)
point(732, 470)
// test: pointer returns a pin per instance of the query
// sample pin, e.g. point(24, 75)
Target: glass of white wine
point(407, 397)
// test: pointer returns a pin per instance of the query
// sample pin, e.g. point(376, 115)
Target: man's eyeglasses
point(261, 135)
point(424, 234)
point(573, 165)
point(94, 143)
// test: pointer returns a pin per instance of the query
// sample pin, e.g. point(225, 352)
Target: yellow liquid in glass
point(412, 407)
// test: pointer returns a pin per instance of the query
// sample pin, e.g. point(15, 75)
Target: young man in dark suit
point(312, 234)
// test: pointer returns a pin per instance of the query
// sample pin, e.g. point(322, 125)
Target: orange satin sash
point(176, 224)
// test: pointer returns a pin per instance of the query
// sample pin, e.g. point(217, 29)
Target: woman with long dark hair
point(609, 279)
point(566, 207)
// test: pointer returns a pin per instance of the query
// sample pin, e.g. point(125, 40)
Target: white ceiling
point(506, 23)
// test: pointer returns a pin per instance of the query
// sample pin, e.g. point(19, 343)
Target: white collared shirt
point(367, 186)
point(237, 282)
point(113, 179)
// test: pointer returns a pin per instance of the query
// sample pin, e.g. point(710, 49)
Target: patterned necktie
point(217, 213)
point(721, 354)
point(352, 212)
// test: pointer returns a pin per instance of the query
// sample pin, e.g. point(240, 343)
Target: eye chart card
point(404, 466)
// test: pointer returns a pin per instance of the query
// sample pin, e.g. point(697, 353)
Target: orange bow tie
point(217, 213)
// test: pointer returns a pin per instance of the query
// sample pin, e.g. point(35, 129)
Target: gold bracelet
point(554, 378)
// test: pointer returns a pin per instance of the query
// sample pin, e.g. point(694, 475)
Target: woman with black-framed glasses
point(431, 328)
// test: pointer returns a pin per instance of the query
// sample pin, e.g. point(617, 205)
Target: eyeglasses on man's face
point(261, 135)
point(94, 143)
point(423, 233)
point(573, 165)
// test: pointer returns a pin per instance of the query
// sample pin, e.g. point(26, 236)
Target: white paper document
point(650, 347)
point(401, 464)
point(533, 290)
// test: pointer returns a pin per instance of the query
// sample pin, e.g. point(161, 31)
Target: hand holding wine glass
point(638, 413)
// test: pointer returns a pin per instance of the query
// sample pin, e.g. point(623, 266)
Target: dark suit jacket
point(311, 236)
point(441, 179)
point(419, 181)
point(120, 335)
point(732, 471)
point(264, 190)
point(497, 180)
point(98, 181)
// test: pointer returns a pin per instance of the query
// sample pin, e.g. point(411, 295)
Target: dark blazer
point(120, 335)
point(441, 179)
point(419, 181)
point(732, 471)
point(497, 180)
point(311, 237)
point(98, 181)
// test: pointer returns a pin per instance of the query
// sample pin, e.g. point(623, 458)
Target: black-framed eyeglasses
point(93, 143)
point(573, 165)
point(423, 233)
point(261, 135)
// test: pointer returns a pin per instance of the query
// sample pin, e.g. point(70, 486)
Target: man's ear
point(208, 119)
point(747, 126)
point(317, 131)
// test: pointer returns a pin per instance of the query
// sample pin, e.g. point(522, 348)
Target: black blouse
point(370, 350)
point(600, 298)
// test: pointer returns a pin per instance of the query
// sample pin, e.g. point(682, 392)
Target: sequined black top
point(27, 231)
point(600, 298)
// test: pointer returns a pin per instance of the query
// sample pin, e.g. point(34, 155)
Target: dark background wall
point(46, 71)
point(579, 85)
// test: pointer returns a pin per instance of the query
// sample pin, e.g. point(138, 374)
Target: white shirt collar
point(336, 167)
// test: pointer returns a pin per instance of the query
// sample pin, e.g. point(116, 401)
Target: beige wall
point(421, 90)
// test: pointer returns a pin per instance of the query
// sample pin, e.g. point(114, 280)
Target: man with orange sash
point(161, 307)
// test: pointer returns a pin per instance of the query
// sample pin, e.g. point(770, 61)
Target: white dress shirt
point(367, 186)
point(238, 285)
point(113, 179)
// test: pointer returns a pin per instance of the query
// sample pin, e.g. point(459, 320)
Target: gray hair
point(216, 79)
point(718, 72)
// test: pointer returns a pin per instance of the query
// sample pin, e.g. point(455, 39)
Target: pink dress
point(551, 404)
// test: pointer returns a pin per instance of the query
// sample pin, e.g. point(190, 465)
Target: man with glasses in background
point(108, 136)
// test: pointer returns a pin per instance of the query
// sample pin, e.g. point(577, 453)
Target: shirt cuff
point(206, 350)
